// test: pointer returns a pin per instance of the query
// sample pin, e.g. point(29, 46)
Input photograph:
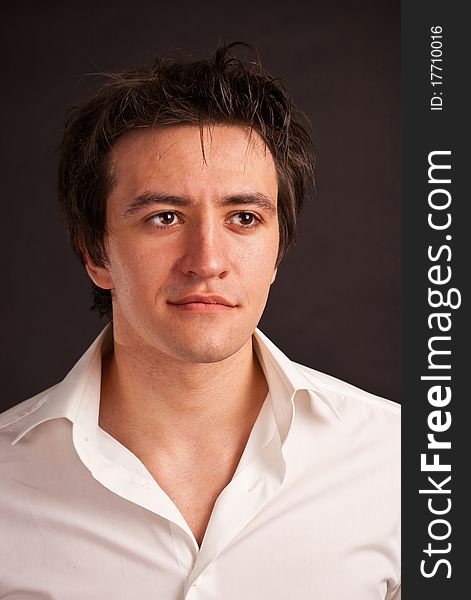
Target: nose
point(206, 251)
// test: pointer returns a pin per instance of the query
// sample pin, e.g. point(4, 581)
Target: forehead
point(190, 161)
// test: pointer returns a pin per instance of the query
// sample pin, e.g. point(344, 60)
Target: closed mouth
point(209, 301)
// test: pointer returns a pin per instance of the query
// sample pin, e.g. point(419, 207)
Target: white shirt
point(312, 511)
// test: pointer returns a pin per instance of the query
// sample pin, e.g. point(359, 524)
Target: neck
point(152, 402)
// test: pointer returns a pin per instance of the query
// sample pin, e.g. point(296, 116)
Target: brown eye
point(245, 219)
point(164, 219)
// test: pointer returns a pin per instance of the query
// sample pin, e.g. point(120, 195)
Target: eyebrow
point(152, 199)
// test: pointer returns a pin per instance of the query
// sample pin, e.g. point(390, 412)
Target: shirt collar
point(64, 399)
point(285, 379)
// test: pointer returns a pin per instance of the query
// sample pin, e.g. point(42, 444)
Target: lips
point(199, 299)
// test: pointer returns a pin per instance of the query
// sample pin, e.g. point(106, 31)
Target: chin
point(204, 348)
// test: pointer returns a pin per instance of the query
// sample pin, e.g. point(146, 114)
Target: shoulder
point(361, 415)
point(345, 394)
point(14, 420)
point(298, 376)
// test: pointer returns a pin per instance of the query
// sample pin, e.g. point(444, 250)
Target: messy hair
point(222, 89)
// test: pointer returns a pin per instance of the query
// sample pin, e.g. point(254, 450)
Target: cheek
point(258, 269)
point(134, 266)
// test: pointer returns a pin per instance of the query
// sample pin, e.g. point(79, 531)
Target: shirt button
point(197, 581)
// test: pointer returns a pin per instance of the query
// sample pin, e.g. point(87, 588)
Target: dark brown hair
point(222, 89)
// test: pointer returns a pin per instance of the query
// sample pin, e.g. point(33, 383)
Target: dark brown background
point(335, 305)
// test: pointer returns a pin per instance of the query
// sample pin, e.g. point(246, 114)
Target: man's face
point(192, 242)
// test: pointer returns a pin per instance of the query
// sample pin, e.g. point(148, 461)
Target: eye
point(245, 219)
point(164, 219)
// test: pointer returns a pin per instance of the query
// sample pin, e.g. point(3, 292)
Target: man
point(185, 456)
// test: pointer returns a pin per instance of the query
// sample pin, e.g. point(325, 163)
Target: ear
point(101, 276)
point(274, 275)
